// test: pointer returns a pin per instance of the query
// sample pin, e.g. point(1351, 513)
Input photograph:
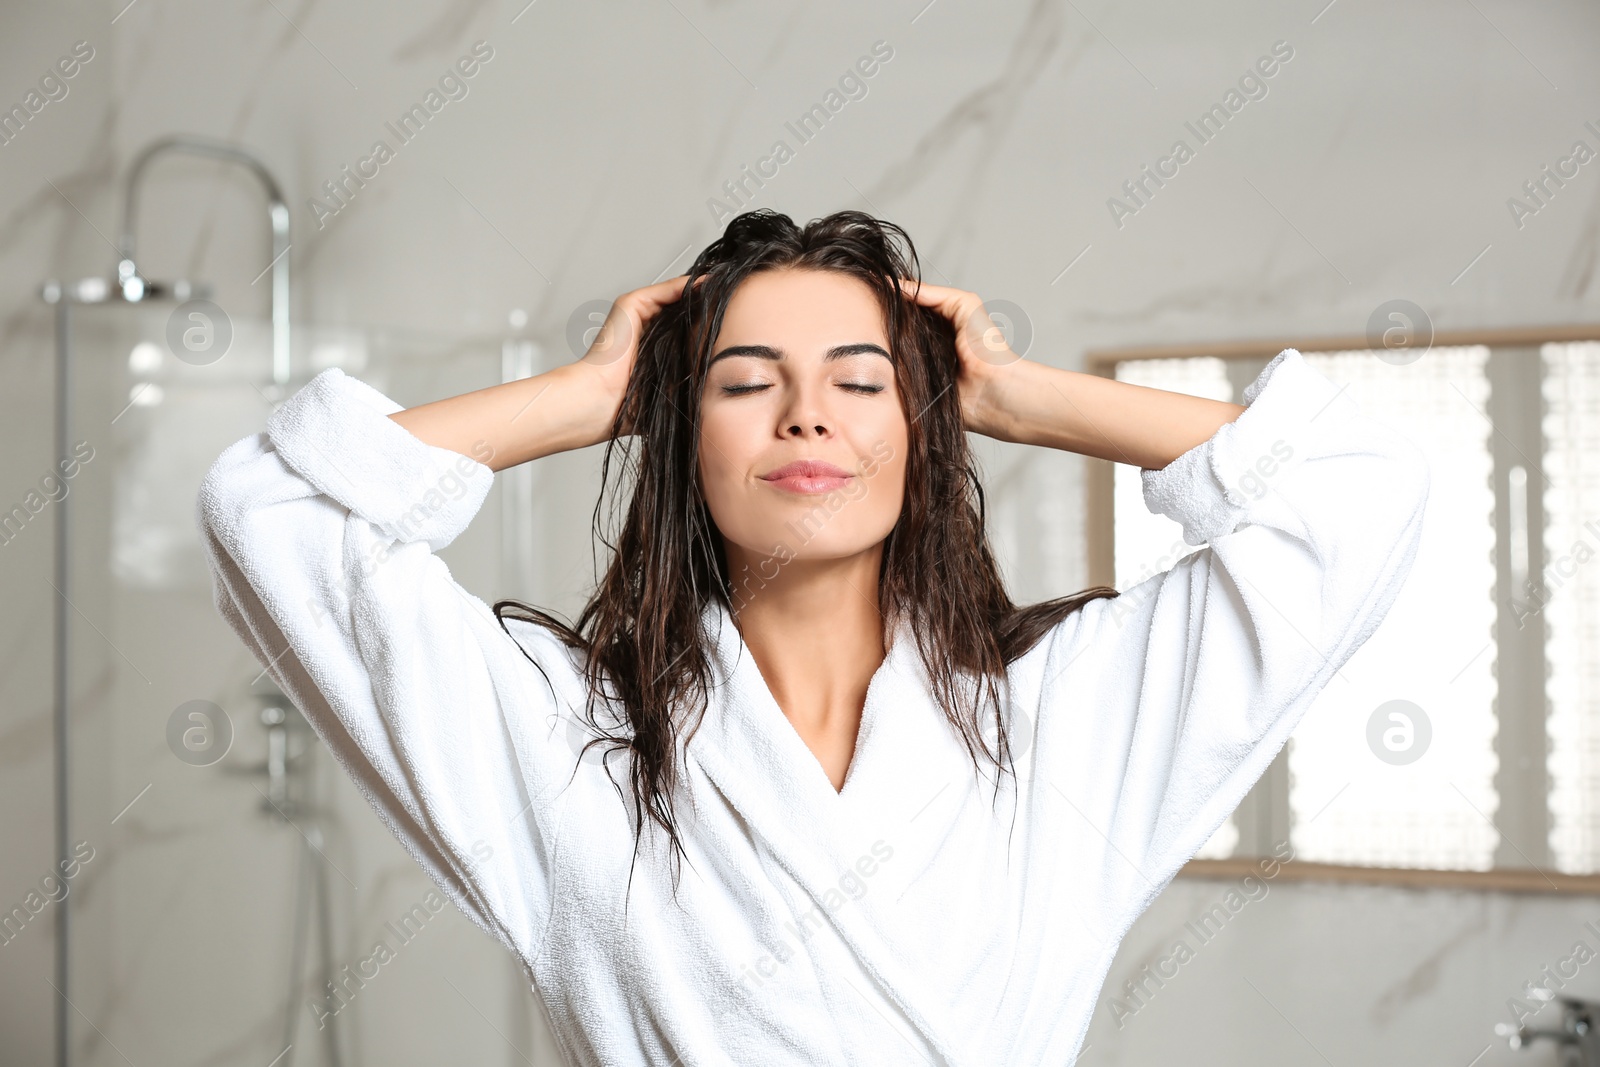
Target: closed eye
point(864, 388)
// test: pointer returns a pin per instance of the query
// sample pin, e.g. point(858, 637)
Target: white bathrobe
point(906, 919)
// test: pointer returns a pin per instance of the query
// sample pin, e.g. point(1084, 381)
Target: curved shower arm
point(128, 275)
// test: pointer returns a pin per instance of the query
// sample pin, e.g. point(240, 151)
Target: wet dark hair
point(640, 632)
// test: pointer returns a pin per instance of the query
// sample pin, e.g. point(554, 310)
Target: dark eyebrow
point(768, 352)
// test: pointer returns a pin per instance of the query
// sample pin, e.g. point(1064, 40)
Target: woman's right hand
point(611, 356)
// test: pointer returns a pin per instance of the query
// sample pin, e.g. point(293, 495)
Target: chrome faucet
point(289, 741)
point(1577, 1036)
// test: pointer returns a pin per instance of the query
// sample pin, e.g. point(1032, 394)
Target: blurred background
point(202, 205)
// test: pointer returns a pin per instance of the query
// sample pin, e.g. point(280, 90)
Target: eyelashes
point(863, 388)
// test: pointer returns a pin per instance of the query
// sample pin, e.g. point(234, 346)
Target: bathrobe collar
point(751, 718)
point(763, 768)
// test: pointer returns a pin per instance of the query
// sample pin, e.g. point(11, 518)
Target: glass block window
point(1434, 649)
point(1567, 593)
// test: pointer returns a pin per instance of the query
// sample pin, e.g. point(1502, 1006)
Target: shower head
point(134, 286)
point(127, 271)
point(129, 286)
point(96, 290)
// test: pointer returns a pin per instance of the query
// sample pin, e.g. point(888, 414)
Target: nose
point(806, 415)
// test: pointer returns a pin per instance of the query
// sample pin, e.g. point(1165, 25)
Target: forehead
point(802, 309)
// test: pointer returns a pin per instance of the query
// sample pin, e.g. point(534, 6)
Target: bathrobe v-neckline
point(757, 724)
point(764, 769)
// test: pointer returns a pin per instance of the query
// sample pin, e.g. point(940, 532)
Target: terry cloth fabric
point(908, 918)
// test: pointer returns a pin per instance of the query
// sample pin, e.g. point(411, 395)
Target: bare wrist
point(591, 398)
point(994, 412)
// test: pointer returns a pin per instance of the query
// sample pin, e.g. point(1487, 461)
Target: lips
point(808, 476)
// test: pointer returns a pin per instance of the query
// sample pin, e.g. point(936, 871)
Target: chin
point(800, 540)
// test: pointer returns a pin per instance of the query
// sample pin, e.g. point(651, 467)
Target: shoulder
point(1076, 652)
point(1071, 631)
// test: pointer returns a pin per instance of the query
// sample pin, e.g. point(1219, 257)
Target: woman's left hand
point(981, 347)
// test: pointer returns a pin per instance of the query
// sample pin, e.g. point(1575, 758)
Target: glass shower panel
point(234, 868)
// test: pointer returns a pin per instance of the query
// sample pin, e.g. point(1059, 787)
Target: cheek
point(888, 484)
point(889, 449)
point(878, 496)
point(722, 445)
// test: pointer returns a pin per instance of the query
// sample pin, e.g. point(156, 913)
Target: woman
point(804, 785)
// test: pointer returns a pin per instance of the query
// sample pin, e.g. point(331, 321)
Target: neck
point(816, 632)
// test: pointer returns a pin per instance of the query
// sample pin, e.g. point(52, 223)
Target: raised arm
point(1155, 711)
point(321, 534)
point(1159, 708)
point(1035, 404)
point(1013, 399)
point(573, 406)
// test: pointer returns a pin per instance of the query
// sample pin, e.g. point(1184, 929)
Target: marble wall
point(595, 148)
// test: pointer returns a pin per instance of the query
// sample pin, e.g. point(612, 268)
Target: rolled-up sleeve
point(1162, 706)
point(321, 534)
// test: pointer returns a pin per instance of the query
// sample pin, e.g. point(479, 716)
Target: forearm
point(557, 411)
point(1035, 404)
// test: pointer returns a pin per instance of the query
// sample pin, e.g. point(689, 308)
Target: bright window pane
point(1435, 648)
point(1568, 596)
point(1146, 544)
